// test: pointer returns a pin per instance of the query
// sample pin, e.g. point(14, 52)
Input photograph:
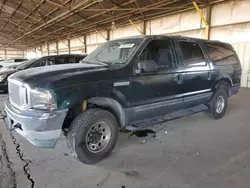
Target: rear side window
point(71, 59)
point(19, 60)
point(61, 60)
point(65, 60)
point(192, 54)
point(221, 54)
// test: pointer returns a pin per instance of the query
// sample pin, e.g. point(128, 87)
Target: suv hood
point(7, 71)
point(57, 75)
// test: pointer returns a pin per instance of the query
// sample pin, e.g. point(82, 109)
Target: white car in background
point(12, 62)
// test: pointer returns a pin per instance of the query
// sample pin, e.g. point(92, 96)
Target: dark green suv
point(121, 83)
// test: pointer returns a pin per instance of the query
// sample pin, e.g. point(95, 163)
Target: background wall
point(11, 53)
point(229, 22)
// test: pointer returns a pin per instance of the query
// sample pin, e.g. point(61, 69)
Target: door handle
point(178, 78)
point(209, 75)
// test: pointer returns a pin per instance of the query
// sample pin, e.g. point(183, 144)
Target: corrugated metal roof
point(28, 23)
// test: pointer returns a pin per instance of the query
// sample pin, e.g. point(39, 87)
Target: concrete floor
point(193, 151)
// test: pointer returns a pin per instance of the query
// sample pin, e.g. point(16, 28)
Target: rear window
point(221, 54)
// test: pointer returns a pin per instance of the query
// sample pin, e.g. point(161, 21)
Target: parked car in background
point(43, 61)
point(122, 84)
point(11, 62)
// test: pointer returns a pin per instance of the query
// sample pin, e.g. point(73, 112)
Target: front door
point(197, 80)
point(152, 92)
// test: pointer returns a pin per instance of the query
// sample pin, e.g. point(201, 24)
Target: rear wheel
point(218, 103)
point(92, 135)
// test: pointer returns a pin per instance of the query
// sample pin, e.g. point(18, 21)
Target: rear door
point(196, 74)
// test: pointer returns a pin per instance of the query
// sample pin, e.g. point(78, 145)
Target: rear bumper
point(40, 128)
point(235, 89)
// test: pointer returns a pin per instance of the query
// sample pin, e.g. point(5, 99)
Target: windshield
point(114, 52)
point(25, 64)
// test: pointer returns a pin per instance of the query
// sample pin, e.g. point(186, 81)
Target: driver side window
point(159, 51)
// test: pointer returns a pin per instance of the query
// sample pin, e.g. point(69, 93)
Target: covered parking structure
point(35, 28)
point(193, 151)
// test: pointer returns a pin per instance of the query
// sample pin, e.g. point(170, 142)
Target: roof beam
point(15, 19)
point(28, 15)
point(55, 19)
point(15, 10)
point(88, 28)
point(90, 17)
point(55, 4)
point(31, 11)
point(1, 5)
point(117, 17)
point(42, 18)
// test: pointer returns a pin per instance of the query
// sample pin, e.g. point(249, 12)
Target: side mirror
point(147, 66)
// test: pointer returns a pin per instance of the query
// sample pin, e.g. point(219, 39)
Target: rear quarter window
point(222, 54)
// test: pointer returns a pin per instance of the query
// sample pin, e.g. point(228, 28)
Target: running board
point(167, 117)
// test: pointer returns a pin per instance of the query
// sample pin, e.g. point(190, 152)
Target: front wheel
point(218, 104)
point(92, 135)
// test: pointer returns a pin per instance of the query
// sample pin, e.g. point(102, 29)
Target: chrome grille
point(14, 93)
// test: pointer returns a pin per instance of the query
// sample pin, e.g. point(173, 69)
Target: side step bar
point(167, 117)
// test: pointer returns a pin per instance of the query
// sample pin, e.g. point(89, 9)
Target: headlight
point(42, 99)
point(2, 77)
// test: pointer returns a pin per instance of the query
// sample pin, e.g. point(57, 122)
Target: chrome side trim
point(196, 92)
point(125, 83)
point(158, 105)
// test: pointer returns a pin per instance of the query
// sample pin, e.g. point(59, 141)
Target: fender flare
point(223, 77)
point(111, 105)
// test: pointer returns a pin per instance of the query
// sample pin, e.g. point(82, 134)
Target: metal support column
point(57, 50)
point(144, 27)
point(205, 20)
point(136, 27)
point(208, 18)
point(5, 54)
point(48, 48)
point(108, 34)
point(69, 46)
point(85, 44)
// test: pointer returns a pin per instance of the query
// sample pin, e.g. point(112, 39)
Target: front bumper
point(41, 128)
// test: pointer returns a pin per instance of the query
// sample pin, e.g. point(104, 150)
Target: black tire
point(80, 127)
point(213, 110)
